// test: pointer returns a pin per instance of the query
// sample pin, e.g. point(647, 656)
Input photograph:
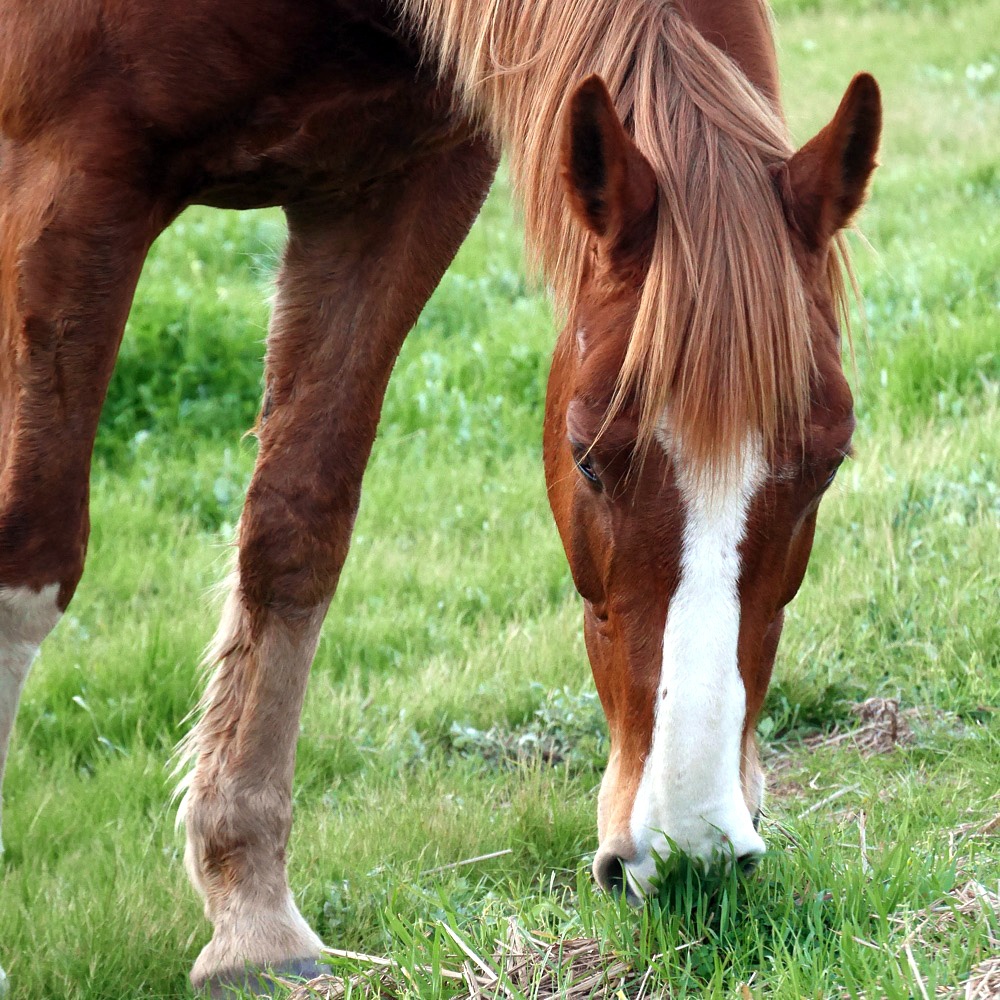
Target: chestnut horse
point(696, 409)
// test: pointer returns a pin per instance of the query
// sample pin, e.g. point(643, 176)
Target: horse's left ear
point(824, 183)
point(611, 186)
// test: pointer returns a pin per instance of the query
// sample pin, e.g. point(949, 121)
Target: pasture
point(451, 713)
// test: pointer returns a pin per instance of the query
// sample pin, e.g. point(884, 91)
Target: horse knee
point(43, 532)
point(292, 548)
point(30, 605)
point(39, 570)
point(27, 615)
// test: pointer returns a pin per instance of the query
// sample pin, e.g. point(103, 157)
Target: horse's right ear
point(824, 183)
point(611, 187)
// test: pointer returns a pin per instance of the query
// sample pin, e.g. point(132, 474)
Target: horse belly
point(234, 104)
point(264, 104)
point(350, 123)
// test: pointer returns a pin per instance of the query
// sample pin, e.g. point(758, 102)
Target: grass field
point(456, 631)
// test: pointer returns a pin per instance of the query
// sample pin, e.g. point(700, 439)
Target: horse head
point(684, 566)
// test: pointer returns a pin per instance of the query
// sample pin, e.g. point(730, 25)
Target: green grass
point(456, 626)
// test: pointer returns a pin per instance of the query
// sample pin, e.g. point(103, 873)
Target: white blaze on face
point(26, 617)
point(690, 788)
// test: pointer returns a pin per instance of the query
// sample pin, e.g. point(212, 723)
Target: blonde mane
point(720, 344)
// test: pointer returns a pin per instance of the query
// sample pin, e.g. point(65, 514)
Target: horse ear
point(611, 186)
point(824, 183)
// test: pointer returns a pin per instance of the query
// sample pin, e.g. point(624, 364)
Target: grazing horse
point(696, 410)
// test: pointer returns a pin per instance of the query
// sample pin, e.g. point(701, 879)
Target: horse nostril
point(609, 871)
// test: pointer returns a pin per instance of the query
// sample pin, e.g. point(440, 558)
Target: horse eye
point(583, 463)
point(588, 471)
point(833, 475)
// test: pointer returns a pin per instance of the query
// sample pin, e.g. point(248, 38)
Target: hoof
point(271, 982)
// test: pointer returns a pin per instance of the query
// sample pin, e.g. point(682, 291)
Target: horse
point(696, 411)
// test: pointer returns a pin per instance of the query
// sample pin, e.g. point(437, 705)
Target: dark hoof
point(271, 982)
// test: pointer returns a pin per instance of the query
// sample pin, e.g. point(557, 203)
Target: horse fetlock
point(236, 847)
point(235, 857)
point(222, 873)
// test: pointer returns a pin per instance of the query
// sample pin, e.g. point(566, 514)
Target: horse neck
point(513, 65)
point(742, 29)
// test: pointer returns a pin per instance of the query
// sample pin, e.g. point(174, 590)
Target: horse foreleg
point(72, 242)
point(353, 280)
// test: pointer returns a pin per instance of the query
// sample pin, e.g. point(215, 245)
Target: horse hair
point(720, 344)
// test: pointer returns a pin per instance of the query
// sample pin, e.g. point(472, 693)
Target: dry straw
point(520, 966)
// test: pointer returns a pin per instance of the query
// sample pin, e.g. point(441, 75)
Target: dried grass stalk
point(984, 982)
point(970, 901)
point(572, 969)
point(884, 727)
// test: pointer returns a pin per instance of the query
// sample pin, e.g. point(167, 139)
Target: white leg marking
point(690, 789)
point(26, 617)
point(238, 793)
